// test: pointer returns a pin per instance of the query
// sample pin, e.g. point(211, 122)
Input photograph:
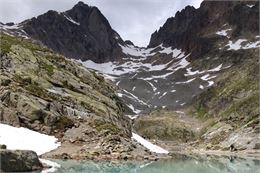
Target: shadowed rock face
point(19, 161)
point(81, 33)
point(189, 29)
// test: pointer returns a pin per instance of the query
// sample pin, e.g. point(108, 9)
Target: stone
point(3, 147)
point(19, 161)
point(65, 156)
point(257, 146)
point(92, 24)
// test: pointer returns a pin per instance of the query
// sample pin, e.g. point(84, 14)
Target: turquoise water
point(184, 164)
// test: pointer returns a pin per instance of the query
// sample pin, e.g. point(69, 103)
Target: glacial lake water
point(183, 164)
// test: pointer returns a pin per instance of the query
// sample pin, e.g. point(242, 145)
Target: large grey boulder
point(19, 161)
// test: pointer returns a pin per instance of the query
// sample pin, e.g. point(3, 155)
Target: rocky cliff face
point(189, 29)
point(80, 33)
point(51, 94)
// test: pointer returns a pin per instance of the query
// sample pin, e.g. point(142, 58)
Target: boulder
point(19, 161)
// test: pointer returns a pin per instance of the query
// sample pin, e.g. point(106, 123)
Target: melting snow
point(120, 69)
point(163, 95)
point(24, 139)
point(250, 6)
point(120, 94)
point(136, 111)
point(237, 44)
point(149, 145)
point(71, 20)
point(210, 83)
point(182, 104)
point(191, 73)
point(154, 88)
point(181, 64)
point(207, 77)
point(135, 97)
point(201, 87)
point(218, 68)
point(188, 81)
point(143, 52)
point(134, 51)
point(223, 32)
point(6, 27)
point(252, 45)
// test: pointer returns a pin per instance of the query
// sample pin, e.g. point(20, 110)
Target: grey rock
point(19, 161)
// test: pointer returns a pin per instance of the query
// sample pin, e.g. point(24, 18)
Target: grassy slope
point(32, 69)
point(235, 97)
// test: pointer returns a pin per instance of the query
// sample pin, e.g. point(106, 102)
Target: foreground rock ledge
point(19, 161)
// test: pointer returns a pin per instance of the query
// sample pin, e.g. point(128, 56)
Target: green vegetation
point(101, 125)
point(38, 115)
point(235, 99)
point(63, 122)
point(40, 78)
point(7, 41)
point(98, 77)
point(48, 68)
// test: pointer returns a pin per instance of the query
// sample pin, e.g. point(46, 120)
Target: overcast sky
point(134, 20)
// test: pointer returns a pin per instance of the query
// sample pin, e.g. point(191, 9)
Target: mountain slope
point(190, 29)
point(227, 110)
point(46, 92)
point(80, 33)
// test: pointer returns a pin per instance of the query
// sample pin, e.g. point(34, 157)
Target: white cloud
point(134, 20)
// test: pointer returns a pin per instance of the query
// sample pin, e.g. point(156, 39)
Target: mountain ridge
point(201, 66)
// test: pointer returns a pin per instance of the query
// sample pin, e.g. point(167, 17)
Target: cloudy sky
point(134, 20)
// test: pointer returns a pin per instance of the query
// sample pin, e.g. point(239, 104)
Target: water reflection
point(181, 164)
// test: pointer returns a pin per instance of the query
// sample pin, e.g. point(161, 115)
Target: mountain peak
point(80, 3)
point(82, 32)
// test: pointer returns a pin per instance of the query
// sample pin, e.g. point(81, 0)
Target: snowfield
point(149, 145)
point(24, 139)
point(242, 44)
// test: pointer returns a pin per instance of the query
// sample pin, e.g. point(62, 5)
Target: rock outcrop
point(48, 93)
point(80, 33)
point(19, 161)
point(189, 29)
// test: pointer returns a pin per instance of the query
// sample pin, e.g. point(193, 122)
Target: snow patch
point(24, 139)
point(223, 32)
point(136, 111)
point(250, 6)
point(218, 68)
point(201, 87)
point(237, 44)
point(71, 20)
point(152, 85)
point(144, 52)
point(185, 82)
point(149, 145)
point(191, 73)
point(207, 77)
